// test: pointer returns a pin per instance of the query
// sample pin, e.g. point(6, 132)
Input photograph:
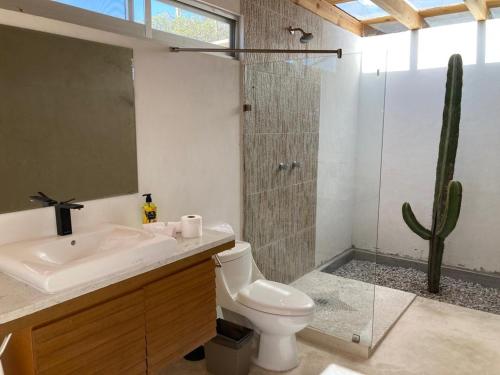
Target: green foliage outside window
point(197, 27)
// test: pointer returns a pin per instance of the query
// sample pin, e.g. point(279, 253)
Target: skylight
point(428, 4)
point(448, 19)
point(362, 9)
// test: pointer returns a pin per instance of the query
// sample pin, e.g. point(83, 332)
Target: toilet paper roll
point(191, 226)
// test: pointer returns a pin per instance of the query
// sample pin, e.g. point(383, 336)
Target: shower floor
point(454, 291)
point(347, 307)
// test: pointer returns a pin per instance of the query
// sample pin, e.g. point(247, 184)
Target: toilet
point(276, 311)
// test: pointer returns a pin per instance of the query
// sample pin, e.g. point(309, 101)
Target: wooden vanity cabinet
point(156, 322)
point(180, 314)
point(105, 339)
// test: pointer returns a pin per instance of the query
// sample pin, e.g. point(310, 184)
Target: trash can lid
point(232, 335)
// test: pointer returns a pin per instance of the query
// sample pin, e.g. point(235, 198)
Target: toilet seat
point(275, 298)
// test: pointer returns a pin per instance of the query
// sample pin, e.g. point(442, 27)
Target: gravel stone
point(454, 291)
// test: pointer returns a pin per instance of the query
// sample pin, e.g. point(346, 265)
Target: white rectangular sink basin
point(54, 264)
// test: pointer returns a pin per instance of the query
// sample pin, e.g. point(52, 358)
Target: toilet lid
point(275, 298)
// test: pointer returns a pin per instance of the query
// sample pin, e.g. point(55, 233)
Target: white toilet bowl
point(276, 311)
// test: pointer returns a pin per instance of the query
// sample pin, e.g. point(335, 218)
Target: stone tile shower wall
point(283, 126)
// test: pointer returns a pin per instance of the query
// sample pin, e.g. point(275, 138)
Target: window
point(390, 52)
point(139, 11)
point(492, 44)
point(437, 44)
point(132, 10)
point(113, 8)
point(193, 23)
point(181, 19)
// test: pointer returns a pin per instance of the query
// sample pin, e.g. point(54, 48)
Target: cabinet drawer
point(180, 314)
point(105, 339)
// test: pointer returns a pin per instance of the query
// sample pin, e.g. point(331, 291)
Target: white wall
point(413, 115)
point(337, 145)
point(188, 134)
point(229, 5)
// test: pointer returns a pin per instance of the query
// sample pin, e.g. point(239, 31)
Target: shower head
point(305, 38)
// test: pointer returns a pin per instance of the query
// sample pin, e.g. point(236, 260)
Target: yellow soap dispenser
point(150, 210)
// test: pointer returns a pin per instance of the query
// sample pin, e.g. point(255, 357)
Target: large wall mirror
point(67, 119)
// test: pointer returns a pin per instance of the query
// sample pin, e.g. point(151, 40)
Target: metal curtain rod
point(337, 52)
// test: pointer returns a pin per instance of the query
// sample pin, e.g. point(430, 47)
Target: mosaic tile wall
point(283, 126)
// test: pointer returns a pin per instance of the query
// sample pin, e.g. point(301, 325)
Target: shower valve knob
point(282, 166)
point(295, 164)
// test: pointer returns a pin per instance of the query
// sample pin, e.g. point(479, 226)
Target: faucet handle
point(70, 206)
point(295, 164)
point(282, 166)
point(44, 199)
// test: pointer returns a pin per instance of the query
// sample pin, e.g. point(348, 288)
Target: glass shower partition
point(312, 139)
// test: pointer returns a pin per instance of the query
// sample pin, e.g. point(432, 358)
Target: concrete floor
point(431, 338)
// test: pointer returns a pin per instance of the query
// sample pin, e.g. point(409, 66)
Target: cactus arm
point(413, 223)
point(452, 211)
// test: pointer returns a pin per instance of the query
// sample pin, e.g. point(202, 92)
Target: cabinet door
point(180, 314)
point(105, 339)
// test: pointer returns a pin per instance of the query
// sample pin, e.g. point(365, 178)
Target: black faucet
point(63, 211)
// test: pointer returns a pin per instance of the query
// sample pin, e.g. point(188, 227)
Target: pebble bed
point(454, 291)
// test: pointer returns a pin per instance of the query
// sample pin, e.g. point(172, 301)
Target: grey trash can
point(229, 352)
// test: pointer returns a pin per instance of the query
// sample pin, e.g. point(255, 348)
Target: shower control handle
point(295, 164)
point(282, 166)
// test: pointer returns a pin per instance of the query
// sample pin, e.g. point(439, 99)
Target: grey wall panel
point(284, 91)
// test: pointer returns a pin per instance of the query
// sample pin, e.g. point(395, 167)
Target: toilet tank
point(236, 266)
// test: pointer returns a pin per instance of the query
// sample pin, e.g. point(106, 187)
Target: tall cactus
point(447, 193)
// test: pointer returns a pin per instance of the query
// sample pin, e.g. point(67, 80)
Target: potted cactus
point(447, 193)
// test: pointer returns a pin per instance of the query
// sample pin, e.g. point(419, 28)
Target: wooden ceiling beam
point(402, 12)
point(399, 10)
point(440, 11)
point(382, 19)
point(431, 12)
point(333, 14)
point(333, 2)
point(478, 8)
point(493, 3)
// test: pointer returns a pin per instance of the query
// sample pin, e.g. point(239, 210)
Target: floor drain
point(321, 301)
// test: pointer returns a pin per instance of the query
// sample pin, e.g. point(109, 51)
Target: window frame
point(207, 10)
point(79, 16)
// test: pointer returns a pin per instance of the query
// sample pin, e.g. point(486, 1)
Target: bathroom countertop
point(18, 299)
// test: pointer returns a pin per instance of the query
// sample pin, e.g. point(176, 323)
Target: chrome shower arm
point(291, 30)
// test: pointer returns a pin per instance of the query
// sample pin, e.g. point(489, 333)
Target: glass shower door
point(312, 145)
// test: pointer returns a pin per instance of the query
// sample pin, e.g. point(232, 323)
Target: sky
point(118, 8)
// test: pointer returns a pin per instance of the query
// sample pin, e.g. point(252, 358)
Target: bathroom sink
point(54, 264)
